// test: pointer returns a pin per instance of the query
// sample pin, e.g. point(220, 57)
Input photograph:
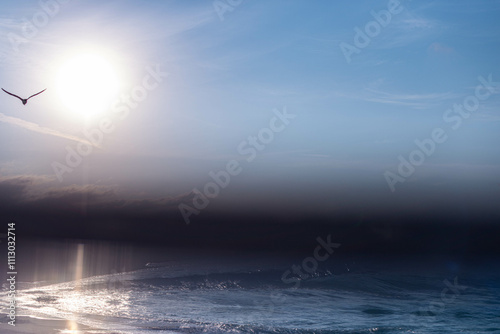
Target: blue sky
point(227, 77)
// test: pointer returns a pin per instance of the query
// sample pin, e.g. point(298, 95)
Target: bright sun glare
point(87, 84)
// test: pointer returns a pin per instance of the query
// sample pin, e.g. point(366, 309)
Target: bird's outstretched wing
point(34, 94)
point(15, 94)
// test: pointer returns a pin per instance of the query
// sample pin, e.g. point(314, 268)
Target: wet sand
point(25, 325)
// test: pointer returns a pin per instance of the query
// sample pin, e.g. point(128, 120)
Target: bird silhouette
point(24, 101)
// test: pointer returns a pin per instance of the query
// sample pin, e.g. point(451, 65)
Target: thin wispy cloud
point(417, 23)
point(8, 23)
point(419, 101)
point(7, 26)
point(472, 8)
point(409, 30)
point(40, 129)
point(488, 113)
point(440, 48)
point(412, 26)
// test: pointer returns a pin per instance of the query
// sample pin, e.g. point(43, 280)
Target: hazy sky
point(306, 107)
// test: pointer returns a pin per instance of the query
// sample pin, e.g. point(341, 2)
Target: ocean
point(271, 294)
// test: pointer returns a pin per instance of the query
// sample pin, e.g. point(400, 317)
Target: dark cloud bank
point(451, 223)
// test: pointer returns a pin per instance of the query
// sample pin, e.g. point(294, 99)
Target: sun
point(87, 83)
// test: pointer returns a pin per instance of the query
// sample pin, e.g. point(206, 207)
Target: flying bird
point(24, 101)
